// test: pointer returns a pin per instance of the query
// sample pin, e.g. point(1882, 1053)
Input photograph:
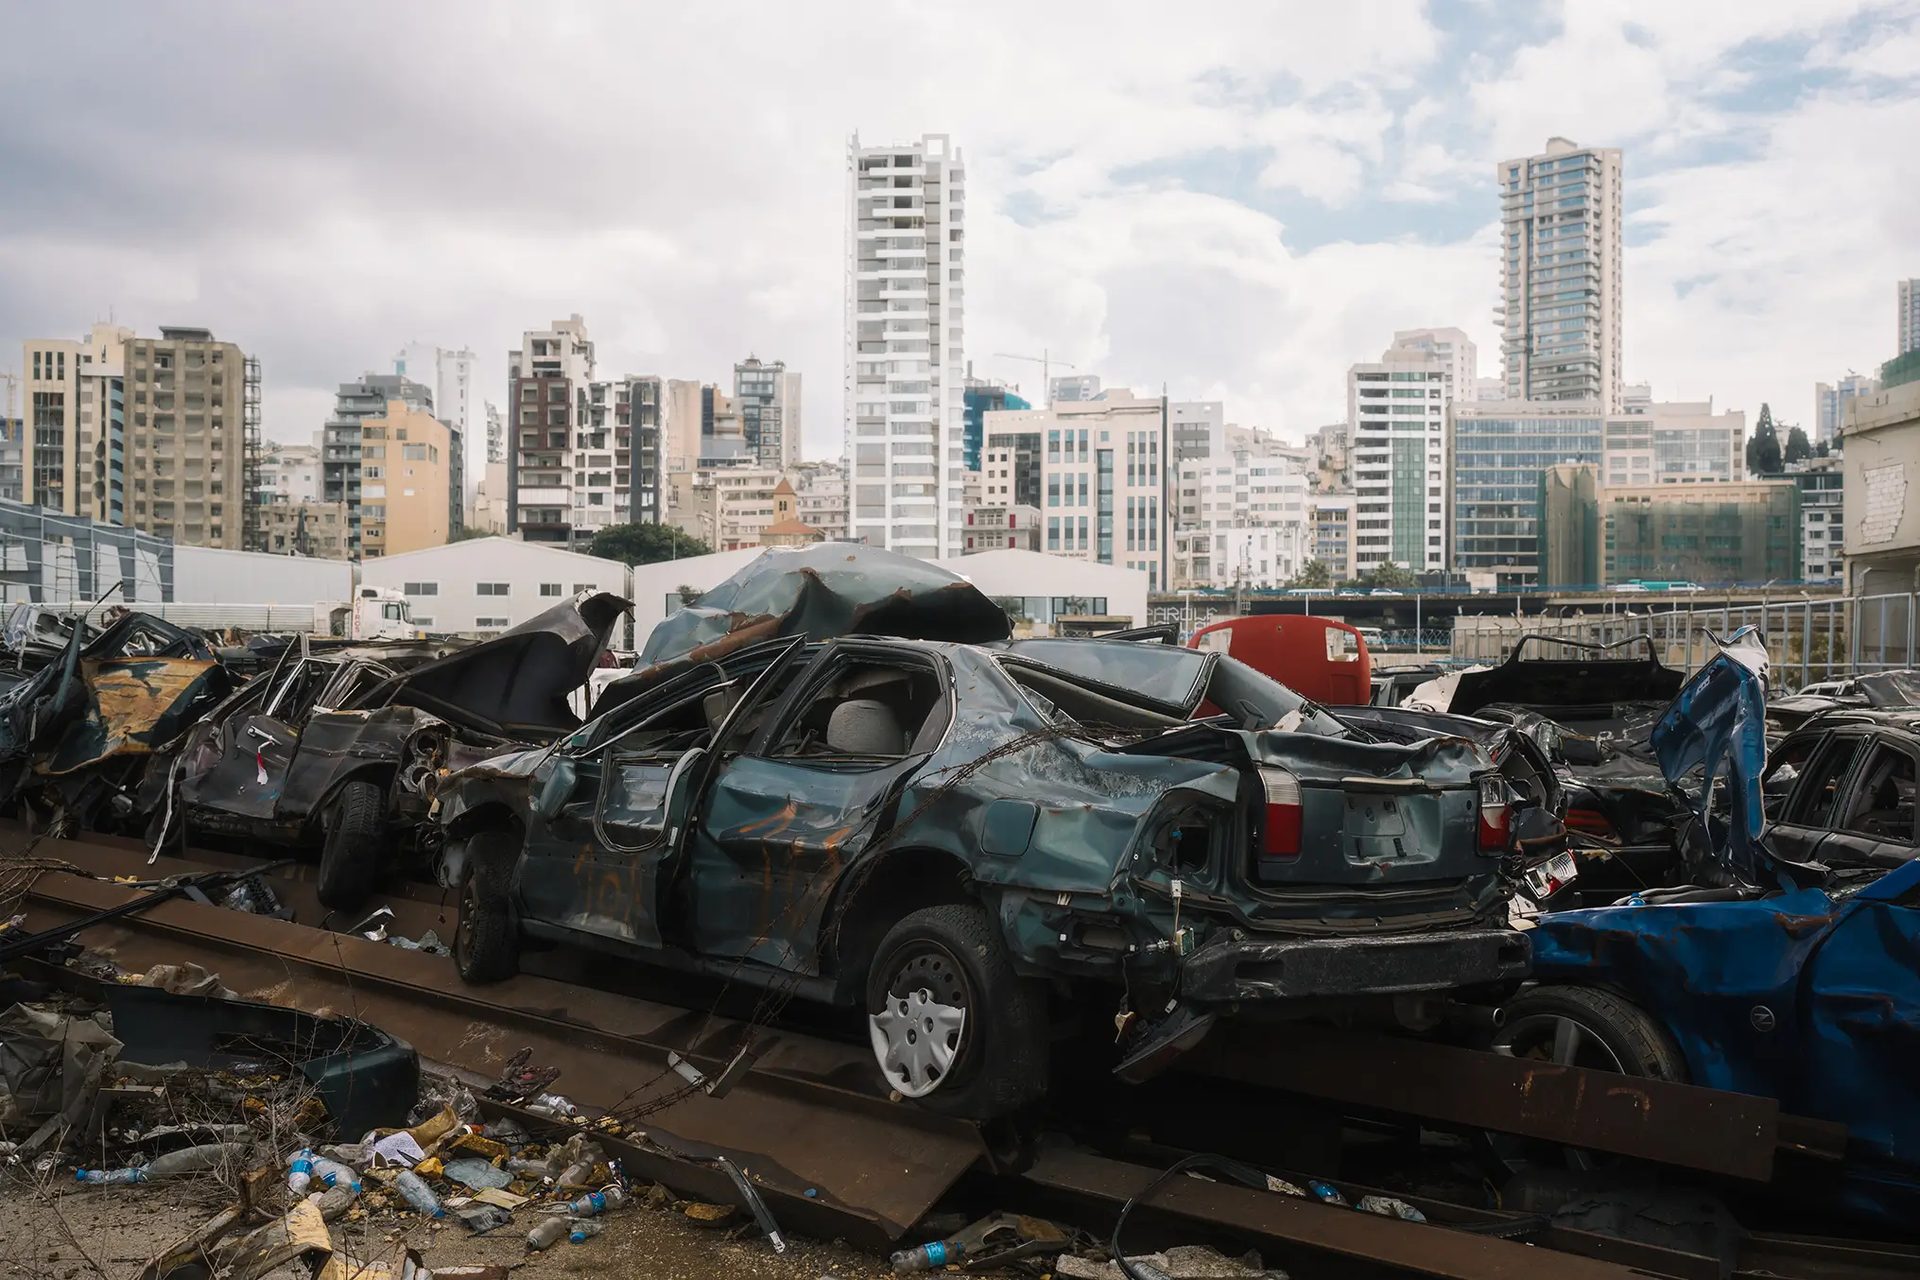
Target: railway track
point(833, 1158)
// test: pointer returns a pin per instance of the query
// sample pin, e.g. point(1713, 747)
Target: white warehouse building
point(485, 585)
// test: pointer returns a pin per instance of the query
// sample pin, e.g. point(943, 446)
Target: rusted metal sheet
point(1727, 1133)
point(799, 1118)
point(1307, 1234)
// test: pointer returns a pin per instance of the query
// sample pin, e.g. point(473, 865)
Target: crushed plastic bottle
point(548, 1233)
point(584, 1231)
point(598, 1202)
point(331, 1173)
point(193, 1159)
point(110, 1177)
point(554, 1106)
point(413, 1188)
point(1390, 1207)
point(1327, 1192)
point(300, 1171)
point(931, 1256)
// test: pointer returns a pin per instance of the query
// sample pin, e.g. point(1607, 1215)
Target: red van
point(1317, 658)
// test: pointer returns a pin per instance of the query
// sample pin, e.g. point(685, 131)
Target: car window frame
point(1794, 812)
point(822, 669)
point(1874, 744)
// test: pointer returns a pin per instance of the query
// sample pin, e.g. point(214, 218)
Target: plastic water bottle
point(210, 1155)
point(548, 1233)
point(927, 1257)
point(596, 1202)
point(334, 1174)
point(300, 1172)
point(1328, 1193)
point(414, 1189)
point(576, 1174)
point(584, 1231)
point(110, 1177)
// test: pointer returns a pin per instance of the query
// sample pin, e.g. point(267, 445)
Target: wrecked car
point(1791, 973)
point(1596, 710)
point(1879, 690)
point(969, 842)
point(79, 737)
point(341, 753)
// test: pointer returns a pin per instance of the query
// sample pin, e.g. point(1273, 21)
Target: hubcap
point(917, 1034)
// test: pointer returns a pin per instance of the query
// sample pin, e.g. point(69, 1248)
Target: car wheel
point(356, 838)
point(486, 938)
point(953, 1027)
point(1582, 1027)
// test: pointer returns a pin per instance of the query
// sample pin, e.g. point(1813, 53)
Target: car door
point(239, 768)
point(603, 843)
point(1874, 823)
point(816, 788)
point(1808, 814)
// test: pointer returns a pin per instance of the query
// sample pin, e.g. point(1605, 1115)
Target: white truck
point(374, 613)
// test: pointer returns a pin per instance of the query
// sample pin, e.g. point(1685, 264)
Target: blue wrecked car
point(1798, 980)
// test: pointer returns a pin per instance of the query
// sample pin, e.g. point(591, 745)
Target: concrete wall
point(209, 575)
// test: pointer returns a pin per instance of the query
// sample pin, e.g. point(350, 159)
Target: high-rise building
point(12, 455)
point(768, 399)
point(1397, 425)
point(496, 434)
point(1073, 387)
point(290, 473)
point(1455, 352)
point(551, 436)
point(1096, 470)
point(341, 477)
point(446, 373)
point(1830, 402)
point(161, 434)
point(1909, 296)
point(407, 467)
point(981, 398)
point(1675, 442)
point(1560, 274)
point(1242, 522)
point(903, 405)
point(1330, 530)
point(1823, 526)
point(1500, 448)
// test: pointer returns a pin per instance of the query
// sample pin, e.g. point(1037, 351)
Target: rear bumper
point(1242, 969)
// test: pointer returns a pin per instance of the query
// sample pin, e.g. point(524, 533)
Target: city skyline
point(1239, 210)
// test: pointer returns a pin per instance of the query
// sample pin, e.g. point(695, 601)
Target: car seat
point(865, 727)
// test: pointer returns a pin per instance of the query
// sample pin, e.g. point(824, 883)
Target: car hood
point(517, 683)
point(1603, 674)
point(823, 591)
point(1715, 728)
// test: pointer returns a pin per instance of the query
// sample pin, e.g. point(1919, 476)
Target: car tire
point(486, 936)
point(1588, 1027)
point(356, 838)
point(990, 1061)
point(1584, 1027)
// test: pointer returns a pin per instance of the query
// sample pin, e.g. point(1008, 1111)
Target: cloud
point(1235, 201)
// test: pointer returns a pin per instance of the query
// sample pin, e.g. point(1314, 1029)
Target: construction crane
point(1046, 362)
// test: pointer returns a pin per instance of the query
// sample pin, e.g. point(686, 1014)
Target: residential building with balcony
point(905, 304)
point(1242, 521)
point(1560, 253)
point(354, 403)
point(1830, 403)
point(1330, 532)
point(1097, 472)
point(1397, 429)
point(406, 477)
point(1907, 329)
point(1823, 524)
point(767, 396)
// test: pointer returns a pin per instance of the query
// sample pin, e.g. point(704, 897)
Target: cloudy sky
point(1235, 201)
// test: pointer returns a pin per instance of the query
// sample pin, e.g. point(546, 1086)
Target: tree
point(1823, 449)
point(1314, 573)
point(689, 594)
point(1763, 451)
point(632, 544)
point(1387, 574)
point(1799, 447)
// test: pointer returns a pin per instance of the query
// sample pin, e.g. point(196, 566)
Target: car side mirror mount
point(553, 784)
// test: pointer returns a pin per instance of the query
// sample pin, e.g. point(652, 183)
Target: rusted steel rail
point(831, 1157)
point(1734, 1134)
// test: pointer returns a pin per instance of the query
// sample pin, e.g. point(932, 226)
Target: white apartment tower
point(1397, 424)
point(449, 375)
point(1455, 352)
point(1909, 294)
point(904, 371)
point(1560, 274)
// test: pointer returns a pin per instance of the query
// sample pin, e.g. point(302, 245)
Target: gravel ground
point(74, 1233)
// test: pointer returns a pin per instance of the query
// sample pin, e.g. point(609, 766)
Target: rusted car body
point(79, 737)
point(342, 752)
point(1020, 819)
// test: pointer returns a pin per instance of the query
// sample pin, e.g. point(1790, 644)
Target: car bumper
point(1241, 969)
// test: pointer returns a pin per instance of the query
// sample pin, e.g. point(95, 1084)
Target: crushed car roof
point(822, 591)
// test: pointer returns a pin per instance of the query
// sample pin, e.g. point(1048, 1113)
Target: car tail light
point(1495, 815)
point(1591, 822)
point(1281, 836)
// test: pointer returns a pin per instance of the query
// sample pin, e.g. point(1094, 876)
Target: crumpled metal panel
point(135, 705)
point(822, 591)
point(1716, 727)
point(1806, 996)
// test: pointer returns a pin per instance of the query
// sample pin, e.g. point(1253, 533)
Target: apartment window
point(489, 624)
point(420, 589)
point(549, 588)
point(491, 589)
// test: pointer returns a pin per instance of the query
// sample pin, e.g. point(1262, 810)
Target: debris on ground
point(1183, 1262)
